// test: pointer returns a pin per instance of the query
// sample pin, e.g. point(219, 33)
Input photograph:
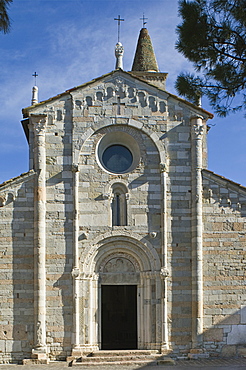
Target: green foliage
point(213, 37)
point(4, 18)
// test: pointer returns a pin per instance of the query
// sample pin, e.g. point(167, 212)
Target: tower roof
point(145, 59)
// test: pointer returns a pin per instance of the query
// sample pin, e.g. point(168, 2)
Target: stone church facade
point(119, 237)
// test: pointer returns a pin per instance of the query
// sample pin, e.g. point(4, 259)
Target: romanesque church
point(119, 237)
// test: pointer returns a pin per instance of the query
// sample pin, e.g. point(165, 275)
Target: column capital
point(197, 130)
point(164, 272)
point(75, 167)
point(75, 272)
point(39, 123)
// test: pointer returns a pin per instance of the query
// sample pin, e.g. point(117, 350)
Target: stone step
point(123, 352)
point(140, 363)
point(164, 361)
point(118, 358)
point(123, 357)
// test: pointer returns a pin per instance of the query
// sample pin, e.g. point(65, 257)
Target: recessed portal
point(119, 317)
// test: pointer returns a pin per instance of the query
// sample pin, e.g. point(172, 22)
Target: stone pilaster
point(197, 129)
point(76, 271)
point(38, 123)
point(164, 270)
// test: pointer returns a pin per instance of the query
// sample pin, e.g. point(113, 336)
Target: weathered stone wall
point(179, 237)
point(224, 249)
point(16, 268)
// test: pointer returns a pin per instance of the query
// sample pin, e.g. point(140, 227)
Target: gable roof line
point(24, 176)
point(211, 174)
point(25, 111)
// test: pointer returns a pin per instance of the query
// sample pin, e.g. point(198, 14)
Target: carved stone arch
point(117, 260)
point(144, 253)
point(109, 263)
point(112, 183)
point(132, 123)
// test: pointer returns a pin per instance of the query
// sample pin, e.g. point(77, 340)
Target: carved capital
point(197, 130)
point(75, 272)
point(75, 167)
point(164, 272)
point(39, 123)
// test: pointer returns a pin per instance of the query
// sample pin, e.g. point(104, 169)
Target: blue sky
point(69, 42)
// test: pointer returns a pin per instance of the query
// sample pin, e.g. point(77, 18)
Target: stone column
point(75, 270)
point(164, 270)
point(197, 232)
point(38, 123)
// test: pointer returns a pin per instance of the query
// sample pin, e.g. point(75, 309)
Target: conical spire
point(145, 59)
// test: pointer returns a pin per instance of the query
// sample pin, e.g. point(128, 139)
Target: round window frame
point(126, 154)
point(118, 138)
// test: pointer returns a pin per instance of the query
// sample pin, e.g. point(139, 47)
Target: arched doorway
point(121, 295)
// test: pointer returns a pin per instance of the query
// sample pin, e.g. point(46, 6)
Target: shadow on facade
point(223, 340)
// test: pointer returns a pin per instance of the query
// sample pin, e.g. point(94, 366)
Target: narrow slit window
point(119, 206)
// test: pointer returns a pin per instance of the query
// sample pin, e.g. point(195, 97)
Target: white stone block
point(243, 314)
point(140, 219)
point(237, 335)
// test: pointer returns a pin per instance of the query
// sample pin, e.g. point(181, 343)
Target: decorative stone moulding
point(7, 198)
point(119, 81)
point(164, 272)
point(3, 200)
point(163, 167)
point(198, 130)
point(75, 272)
point(124, 259)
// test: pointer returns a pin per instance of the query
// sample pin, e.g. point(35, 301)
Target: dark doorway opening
point(119, 317)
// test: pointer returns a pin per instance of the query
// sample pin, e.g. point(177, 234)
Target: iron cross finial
point(35, 75)
point(119, 20)
point(144, 20)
